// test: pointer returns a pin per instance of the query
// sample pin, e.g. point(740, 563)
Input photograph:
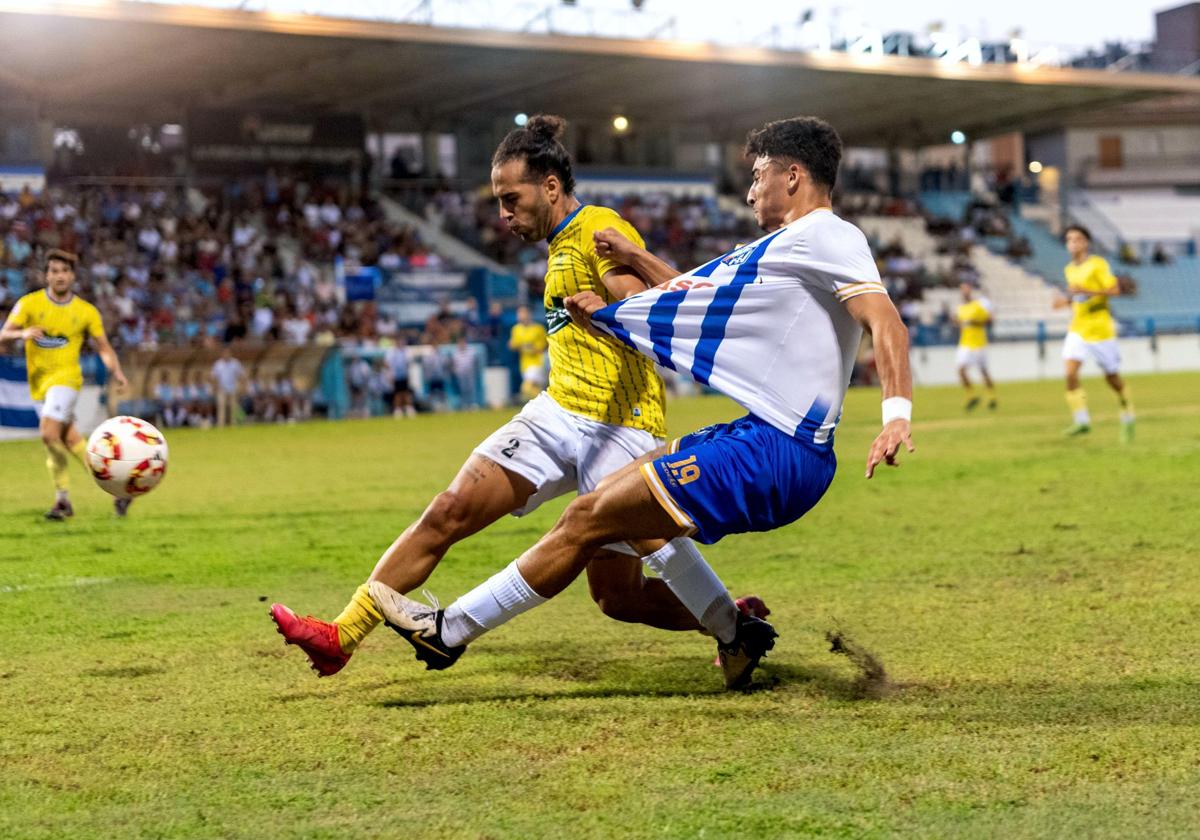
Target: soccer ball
point(127, 456)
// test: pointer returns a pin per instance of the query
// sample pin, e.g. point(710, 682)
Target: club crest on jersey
point(738, 255)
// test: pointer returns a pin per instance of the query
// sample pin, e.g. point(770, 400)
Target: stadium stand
point(1166, 297)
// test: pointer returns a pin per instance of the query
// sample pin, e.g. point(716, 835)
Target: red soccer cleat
point(318, 639)
point(753, 606)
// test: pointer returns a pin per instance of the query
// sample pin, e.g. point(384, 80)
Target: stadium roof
point(112, 61)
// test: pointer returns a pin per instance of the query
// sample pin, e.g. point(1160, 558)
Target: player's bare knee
point(447, 517)
point(582, 520)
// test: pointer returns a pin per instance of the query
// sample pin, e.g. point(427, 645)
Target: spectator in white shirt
point(296, 329)
point(228, 376)
point(463, 363)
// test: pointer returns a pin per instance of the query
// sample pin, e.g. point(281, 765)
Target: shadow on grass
point(125, 672)
point(630, 678)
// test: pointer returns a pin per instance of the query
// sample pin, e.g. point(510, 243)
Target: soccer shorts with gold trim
point(737, 477)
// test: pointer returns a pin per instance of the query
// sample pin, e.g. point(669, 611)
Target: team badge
point(738, 255)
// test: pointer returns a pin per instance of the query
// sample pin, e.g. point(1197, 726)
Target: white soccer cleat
point(418, 624)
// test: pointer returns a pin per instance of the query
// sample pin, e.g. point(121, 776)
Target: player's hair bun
point(547, 126)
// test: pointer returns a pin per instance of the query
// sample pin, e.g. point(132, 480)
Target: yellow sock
point(78, 451)
point(359, 618)
point(56, 462)
point(991, 392)
point(1077, 402)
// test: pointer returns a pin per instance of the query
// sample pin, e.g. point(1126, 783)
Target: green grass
point(1034, 600)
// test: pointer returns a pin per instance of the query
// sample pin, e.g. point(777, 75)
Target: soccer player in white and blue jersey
point(775, 325)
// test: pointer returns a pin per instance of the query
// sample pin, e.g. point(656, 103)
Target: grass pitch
point(1033, 601)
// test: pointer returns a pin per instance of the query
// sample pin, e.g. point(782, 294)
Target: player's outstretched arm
point(878, 316)
point(109, 356)
point(614, 245)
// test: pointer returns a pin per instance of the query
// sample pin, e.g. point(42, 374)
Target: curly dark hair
point(809, 141)
point(539, 144)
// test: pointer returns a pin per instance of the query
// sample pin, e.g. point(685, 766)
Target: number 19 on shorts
point(685, 471)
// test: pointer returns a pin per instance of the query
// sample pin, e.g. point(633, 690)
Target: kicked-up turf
point(1021, 614)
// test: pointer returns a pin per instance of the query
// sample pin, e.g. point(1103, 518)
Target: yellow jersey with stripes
point(973, 318)
point(593, 376)
point(53, 359)
point(1091, 318)
point(529, 340)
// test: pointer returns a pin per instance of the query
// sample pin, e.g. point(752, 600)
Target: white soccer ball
point(127, 456)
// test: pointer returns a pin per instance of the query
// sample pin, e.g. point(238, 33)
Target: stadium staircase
point(1022, 300)
point(1168, 296)
point(457, 252)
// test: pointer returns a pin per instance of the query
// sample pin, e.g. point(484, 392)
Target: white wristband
point(896, 408)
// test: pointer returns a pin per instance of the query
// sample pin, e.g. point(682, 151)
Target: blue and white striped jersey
point(764, 324)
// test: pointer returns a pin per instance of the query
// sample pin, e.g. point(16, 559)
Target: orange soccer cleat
point(318, 639)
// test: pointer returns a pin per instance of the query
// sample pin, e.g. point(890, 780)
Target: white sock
point(503, 596)
point(1126, 416)
point(682, 568)
point(61, 496)
point(1082, 417)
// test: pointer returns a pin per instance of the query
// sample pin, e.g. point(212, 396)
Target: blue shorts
point(738, 477)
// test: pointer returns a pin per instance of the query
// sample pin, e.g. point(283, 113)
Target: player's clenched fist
point(581, 306)
point(614, 245)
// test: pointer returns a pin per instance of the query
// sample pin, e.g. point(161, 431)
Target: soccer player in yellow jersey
point(53, 323)
point(1092, 332)
point(973, 316)
point(528, 339)
point(603, 410)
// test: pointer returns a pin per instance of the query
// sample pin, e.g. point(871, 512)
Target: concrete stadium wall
point(1028, 360)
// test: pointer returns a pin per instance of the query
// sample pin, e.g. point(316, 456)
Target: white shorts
point(59, 404)
point(560, 452)
point(1107, 354)
point(534, 375)
point(967, 357)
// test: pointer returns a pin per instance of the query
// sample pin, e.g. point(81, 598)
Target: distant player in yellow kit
point(528, 339)
point(973, 316)
point(1092, 333)
point(53, 323)
point(604, 408)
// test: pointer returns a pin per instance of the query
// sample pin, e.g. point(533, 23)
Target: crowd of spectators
point(253, 259)
point(263, 259)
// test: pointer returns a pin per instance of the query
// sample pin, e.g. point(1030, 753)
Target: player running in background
point(528, 339)
point(53, 322)
point(604, 408)
point(1093, 332)
point(973, 316)
point(774, 325)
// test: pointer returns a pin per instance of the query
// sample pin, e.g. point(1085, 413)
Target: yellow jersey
point(529, 340)
point(54, 358)
point(973, 318)
point(592, 376)
point(1090, 316)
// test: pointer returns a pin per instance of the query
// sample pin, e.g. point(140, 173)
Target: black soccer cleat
point(418, 624)
point(740, 657)
point(60, 511)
